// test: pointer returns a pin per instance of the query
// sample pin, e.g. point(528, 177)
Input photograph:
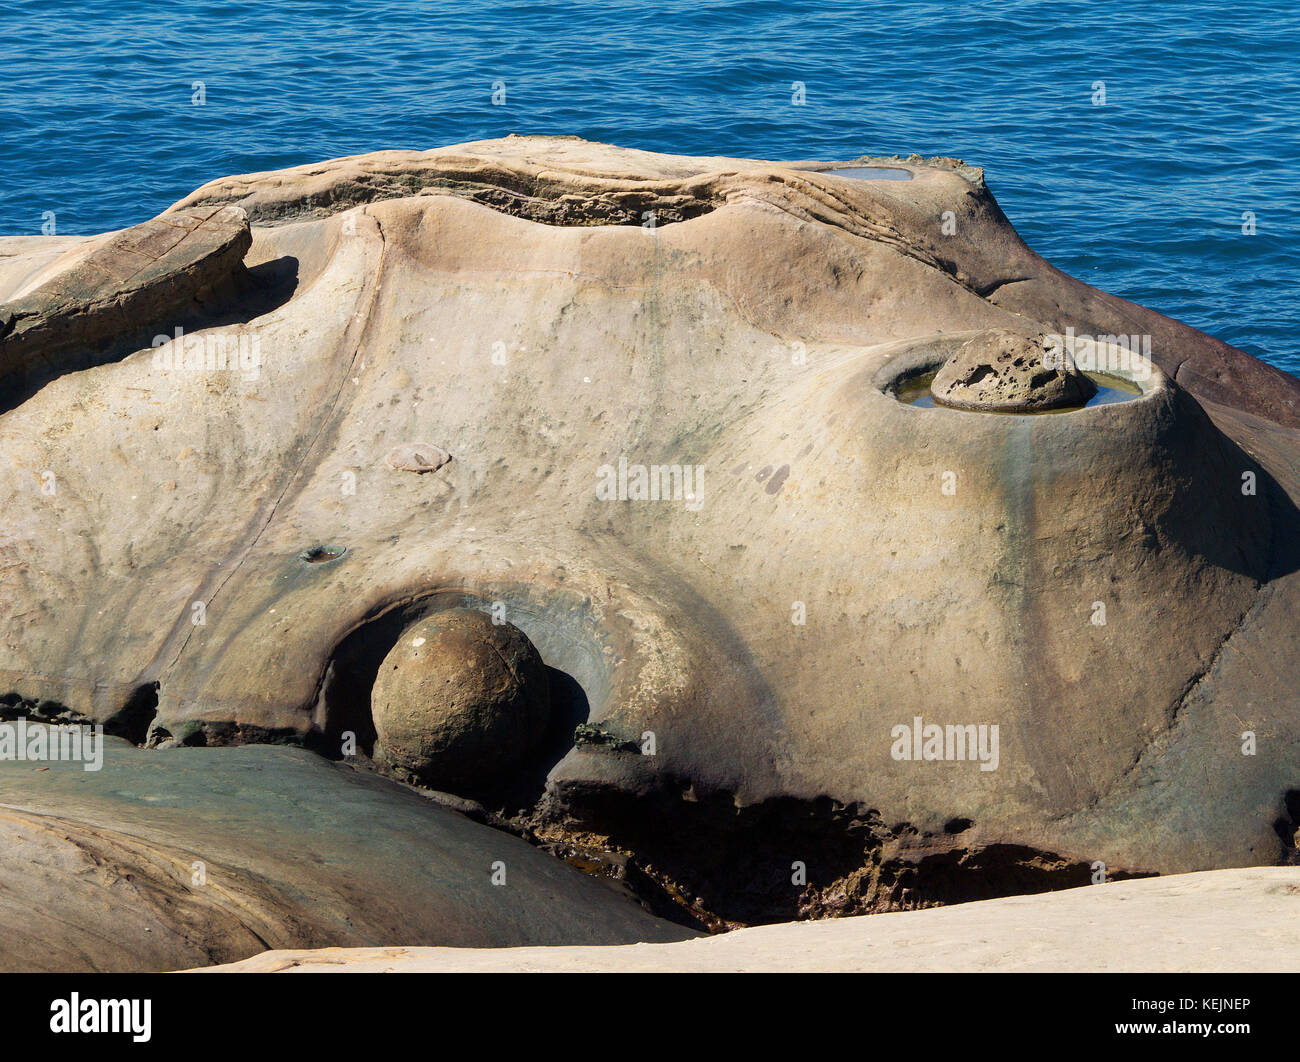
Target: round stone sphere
point(1001, 371)
point(459, 701)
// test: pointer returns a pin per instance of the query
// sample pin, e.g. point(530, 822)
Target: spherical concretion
point(459, 701)
point(1005, 371)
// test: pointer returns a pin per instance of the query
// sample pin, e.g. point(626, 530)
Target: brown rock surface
point(1008, 372)
point(1115, 588)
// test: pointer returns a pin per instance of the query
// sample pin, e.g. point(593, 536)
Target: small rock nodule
point(1002, 371)
point(416, 457)
point(459, 702)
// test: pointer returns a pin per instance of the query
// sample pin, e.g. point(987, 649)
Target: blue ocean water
point(1145, 194)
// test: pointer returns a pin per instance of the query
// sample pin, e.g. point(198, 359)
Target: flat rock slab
point(184, 857)
point(1224, 921)
point(134, 280)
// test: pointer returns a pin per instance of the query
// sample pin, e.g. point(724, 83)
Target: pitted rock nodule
point(416, 457)
point(1008, 372)
point(459, 701)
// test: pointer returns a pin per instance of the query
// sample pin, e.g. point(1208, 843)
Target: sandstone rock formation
point(681, 468)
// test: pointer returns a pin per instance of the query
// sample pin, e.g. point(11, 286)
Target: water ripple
point(1145, 195)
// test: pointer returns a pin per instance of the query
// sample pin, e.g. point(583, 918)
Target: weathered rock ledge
point(1224, 921)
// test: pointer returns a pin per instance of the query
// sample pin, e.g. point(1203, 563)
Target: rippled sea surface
point(1145, 194)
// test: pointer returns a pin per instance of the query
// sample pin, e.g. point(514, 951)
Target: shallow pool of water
point(1110, 389)
point(872, 173)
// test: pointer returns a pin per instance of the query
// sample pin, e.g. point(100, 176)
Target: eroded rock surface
point(817, 566)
